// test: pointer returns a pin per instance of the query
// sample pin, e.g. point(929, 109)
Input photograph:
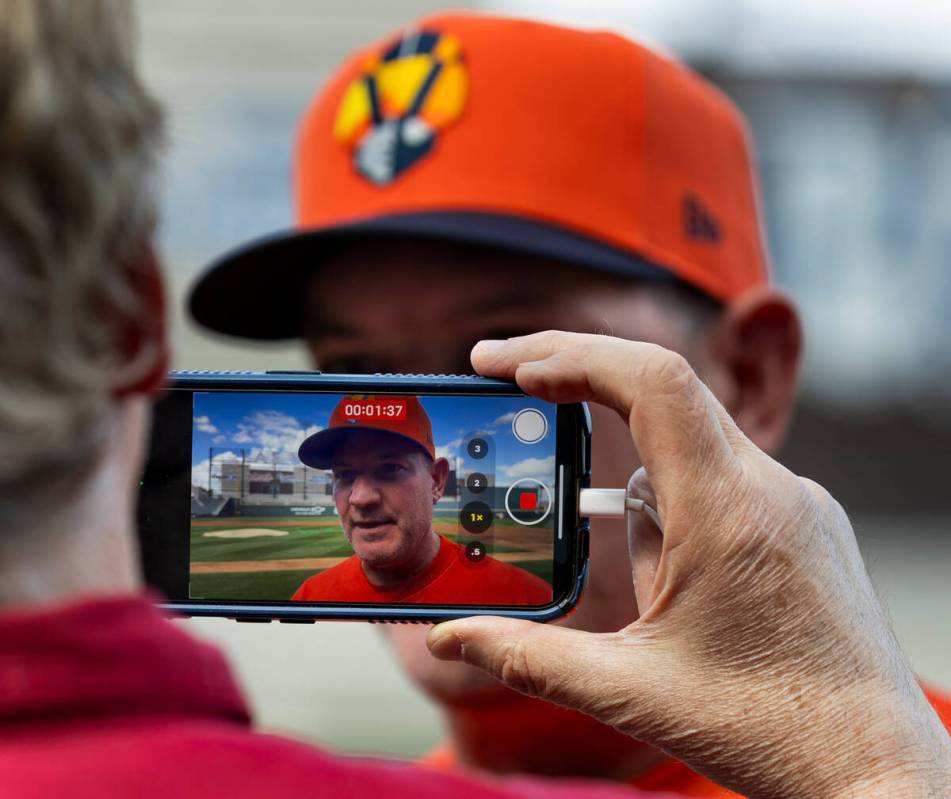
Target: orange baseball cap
point(580, 146)
point(400, 416)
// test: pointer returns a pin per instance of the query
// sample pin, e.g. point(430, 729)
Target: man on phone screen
point(479, 177)
point(102, 696)
point(386, 480)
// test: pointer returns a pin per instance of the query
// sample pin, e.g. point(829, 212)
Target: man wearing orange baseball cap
point(386, 480)
point(481, 177)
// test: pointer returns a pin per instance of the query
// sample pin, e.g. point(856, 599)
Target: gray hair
point(79, 137)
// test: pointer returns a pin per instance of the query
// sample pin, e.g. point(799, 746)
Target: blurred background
point(850, 107)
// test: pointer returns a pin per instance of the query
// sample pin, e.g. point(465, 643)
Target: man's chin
point(377, 547)
point(369, 535)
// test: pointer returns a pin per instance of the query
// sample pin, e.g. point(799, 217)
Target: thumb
point(559, 664)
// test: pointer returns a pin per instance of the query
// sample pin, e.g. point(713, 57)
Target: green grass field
point(318, 537)
point(302, 541)
point(265, 586)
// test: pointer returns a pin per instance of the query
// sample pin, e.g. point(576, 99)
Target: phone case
point(155, 518)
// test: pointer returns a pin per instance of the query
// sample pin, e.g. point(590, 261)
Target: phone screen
point(366, 499)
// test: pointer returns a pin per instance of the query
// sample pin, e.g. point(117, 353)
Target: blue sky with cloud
point(270, 427)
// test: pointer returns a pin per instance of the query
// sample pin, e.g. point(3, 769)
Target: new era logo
point(699, 223)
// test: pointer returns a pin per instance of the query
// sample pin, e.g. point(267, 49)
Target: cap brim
point(259, 291)
point(317, 451)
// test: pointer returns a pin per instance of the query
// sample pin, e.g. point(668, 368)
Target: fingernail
point(444, 644)
point(490, 344)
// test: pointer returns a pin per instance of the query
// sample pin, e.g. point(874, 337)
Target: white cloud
point(203, 425)
point(504, 419)
point(273, 435)
point(200, 471)
point(539, 468)
point(200, 474)
point(449, 450)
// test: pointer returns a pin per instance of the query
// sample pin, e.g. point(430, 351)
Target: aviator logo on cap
point(578, 146)
point(391, 113)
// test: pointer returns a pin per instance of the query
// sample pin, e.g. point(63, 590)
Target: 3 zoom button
point(475, 517)
point(478, 448)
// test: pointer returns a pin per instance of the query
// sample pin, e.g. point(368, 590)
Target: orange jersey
point(674, 777)
point(451, 579)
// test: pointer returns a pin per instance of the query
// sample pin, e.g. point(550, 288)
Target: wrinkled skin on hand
point(761, 656)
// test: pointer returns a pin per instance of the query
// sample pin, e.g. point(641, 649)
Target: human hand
point(761, 656)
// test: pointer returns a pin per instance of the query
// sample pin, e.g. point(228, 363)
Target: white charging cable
point(612, 503)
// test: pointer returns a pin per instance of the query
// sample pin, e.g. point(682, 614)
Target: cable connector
point(602, 502)
point(612, 503)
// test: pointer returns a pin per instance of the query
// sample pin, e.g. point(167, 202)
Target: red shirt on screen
point(451, 579)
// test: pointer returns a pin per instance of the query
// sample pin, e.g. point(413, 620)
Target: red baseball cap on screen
point(580, 146)
point(413, 426)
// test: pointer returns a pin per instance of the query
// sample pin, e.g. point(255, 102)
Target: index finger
point(677, 425)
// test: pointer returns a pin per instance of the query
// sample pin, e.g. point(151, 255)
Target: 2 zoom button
point(477, 482)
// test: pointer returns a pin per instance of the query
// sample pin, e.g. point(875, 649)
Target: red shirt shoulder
point(488, 582)
point(451, 579)
point(107, 698)
point(676, 777)
point(344, 582)
point(941, 702)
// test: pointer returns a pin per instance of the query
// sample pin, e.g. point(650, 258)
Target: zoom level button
point(475, 517)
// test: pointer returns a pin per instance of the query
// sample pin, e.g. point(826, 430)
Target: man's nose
point(364, 492)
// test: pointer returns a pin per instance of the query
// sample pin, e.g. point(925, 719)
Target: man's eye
point(343, 477)
point(391, 469)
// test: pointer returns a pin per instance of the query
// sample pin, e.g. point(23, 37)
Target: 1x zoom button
point(475, 517)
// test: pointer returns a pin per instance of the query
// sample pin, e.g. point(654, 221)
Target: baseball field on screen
point(267, 558)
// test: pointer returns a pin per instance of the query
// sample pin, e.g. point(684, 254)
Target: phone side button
point(584, 539)
point(297, 621)
point(254, 621)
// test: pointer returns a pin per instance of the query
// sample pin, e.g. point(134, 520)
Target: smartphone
point(298, 496)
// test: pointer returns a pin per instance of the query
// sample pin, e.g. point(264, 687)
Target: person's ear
point(440, 473)
point(756, 350)
point(147, 332)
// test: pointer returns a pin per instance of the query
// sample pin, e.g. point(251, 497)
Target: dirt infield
point(245, 532)
point(287, 564)
point(317, 564)
point(235, 521)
